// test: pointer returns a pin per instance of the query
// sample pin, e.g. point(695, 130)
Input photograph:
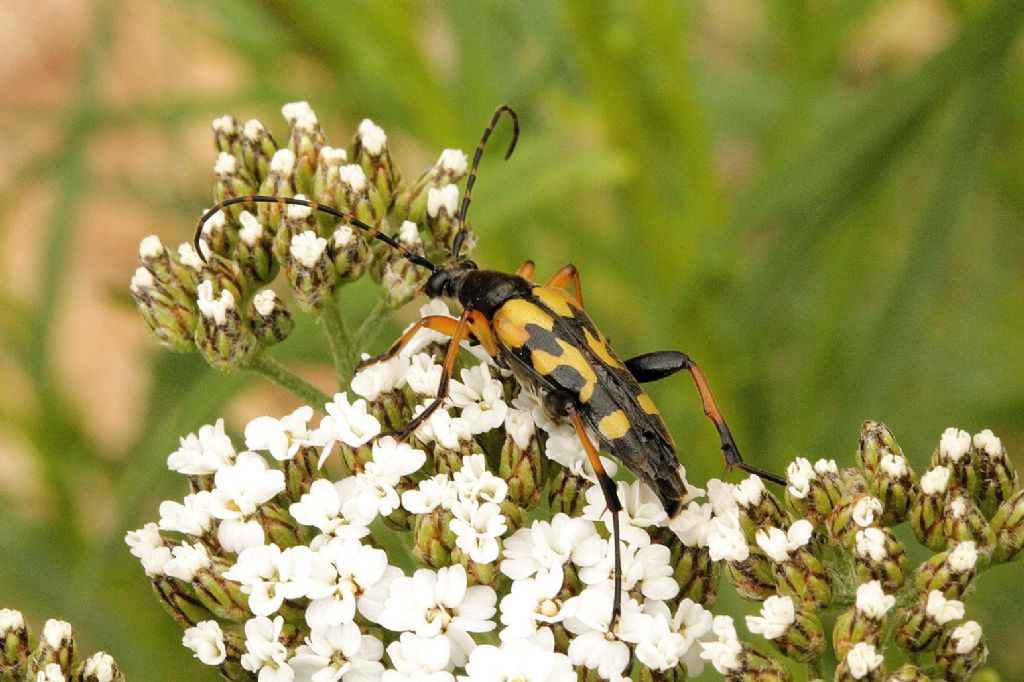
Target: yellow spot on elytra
point(600, 348)
point(545, 363)
point(556, 299)
point(614, 425)
point(510, 320)
point(646, 403)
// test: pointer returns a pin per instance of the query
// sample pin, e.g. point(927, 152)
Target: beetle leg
point(568, 276)
point(660, 364)
point(526, 270)
point(463, 326)
point(611, 498)
point(439, 323)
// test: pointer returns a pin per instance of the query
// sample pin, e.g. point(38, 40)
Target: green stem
point(280, 375)
point(340, 340)
point(372, 324)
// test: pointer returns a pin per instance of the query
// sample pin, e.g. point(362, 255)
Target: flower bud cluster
point(54, 658)
point(831, 547)
point(220, 304)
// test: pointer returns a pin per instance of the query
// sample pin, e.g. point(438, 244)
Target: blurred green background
point(821, 202)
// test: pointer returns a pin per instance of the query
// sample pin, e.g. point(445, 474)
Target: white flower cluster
point(321, 599)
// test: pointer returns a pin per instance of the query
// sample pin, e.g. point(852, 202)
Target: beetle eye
point(469, 264)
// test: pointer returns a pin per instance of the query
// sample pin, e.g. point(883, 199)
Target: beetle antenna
point(460, 236)
point(349, 219)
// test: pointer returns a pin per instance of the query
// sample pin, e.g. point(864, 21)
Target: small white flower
point(722, 497)
point(691, 525)
point(641, 509)
point(646, 567)
point(588, 616)
point(779, 545)
point(241, 488)
point(445, 198)
point(390, 461)
point(943, 610)
point(380, 377)
point(777, 615)
point(307, 248)
point(954, 444)
point(211, 306)
point(531, 603)
point(872, 601)
point(142, 280)
point(265, 651)
point(871, 544)
point(187, 561)
point(436, 491)
point(894, 466)
point(563, 446)
point(264, 301)
point(474, 481)
point(269, 575)
point(251, 230)
point(799, 475)
point(935, 480)
point(866, 511)
point(226, 164)
point(298, 212)
point(749, 491)
point(345, 422)
point(339, 652)
point(424, 375)
point(191, 516)
point(547, 546)
point(480, 397)
point(987, 442)
point(419, 659)
point(206, 640)
point(281, 437)
point(146, 544)
point(372, 137)
point(296, 112)
point(51, 673)
point(967, 636)
point(349, 576)
point(453, 161)
point(963, 557)
point(353, 176)
point(518, 661)
point(189, 258)
point(56, 633)
point(431, 604)
point(336, 508)
point(204, 452)
point(726, 539)
point(694, 622)
point(862, 658)
point(11, 621)
point(100, 667)
point(657, 646)
point(283, 162)
point(520, 426)
point(477, 527)
point(723, 652)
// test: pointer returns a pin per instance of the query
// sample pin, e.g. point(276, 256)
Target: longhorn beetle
point(542, 334)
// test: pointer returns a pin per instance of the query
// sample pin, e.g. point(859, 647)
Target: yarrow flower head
point(436, 520)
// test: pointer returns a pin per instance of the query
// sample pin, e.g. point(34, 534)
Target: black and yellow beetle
point(543, 335)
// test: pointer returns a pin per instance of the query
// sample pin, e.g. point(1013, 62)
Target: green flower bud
point(521, 464)
point(327, 187)
point(100, 667)
point(997, 479)
point(295, 221)
point(880, 556)
point(812, 491)
point(919, 625)
point(400, 279)
point(442, 210)
point(14, 643)
point(876, 441)
point(754, 577)
point(310, 271)
point(928, 510)
point(255, 251)
point(56, 646)
point(862, 662)
point(258, 147)
point(696, 574)
point(955, 453)
point(370, 151)
point(280, 182)
point(279, 525)
point(1008, 526)
point(798, 573)
point(907, 673)
point(223, 598)
point(755, 666)
point(179, 599)
point(963, 521)
point(895, 484)
point(433, 541)
point(171, 321)
point(359, 197)
point(862, 622)
point(305, 141)
point(271, 322)
point(758, 507)
point(227, 136)
point(450, 168)
point(231, 180)
point(222, 336)
point(567, 494)
point(949, 572)
point(961, 651)
point(350, 253)
point(854, 512)
point(477, 573)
